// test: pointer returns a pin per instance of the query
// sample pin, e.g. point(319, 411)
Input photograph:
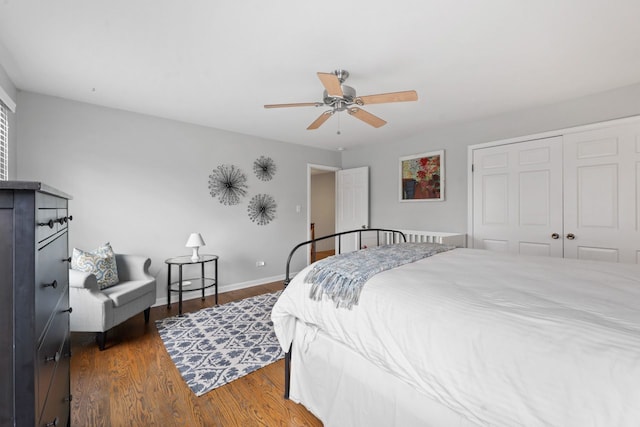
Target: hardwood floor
point(324, 254)
point(133, 382)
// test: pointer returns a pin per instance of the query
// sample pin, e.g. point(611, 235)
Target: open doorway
point(321, 208)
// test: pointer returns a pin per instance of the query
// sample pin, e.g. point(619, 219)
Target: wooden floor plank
point(133, 382)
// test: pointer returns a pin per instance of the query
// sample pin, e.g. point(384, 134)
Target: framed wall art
point(422, 177)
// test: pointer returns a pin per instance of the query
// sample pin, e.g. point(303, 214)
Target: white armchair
point(96, 310)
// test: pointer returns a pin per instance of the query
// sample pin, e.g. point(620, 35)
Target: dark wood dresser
point(34, 307)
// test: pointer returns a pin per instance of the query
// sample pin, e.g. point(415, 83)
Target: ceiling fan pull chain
point(338, 133)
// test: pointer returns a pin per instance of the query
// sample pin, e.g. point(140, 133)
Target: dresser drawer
point(52, 280)
point(50, 221)
point(52, 351)
point(51, 216)
point(63, 218)
point(46, 223)
point(56, 411)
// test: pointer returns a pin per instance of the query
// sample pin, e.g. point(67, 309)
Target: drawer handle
point(50, 223)
point(66, 259)
point(61, 221)
point(68, 398)
point(70, 217)
point(53, 284)
point(68, 310)
point(53, 423)
point(54, 358)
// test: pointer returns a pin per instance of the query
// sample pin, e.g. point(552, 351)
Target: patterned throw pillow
point(101, 262)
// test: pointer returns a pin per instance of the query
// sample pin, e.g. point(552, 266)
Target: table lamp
point(195, 241)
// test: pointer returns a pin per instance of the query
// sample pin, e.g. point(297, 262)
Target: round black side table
point(195, 284)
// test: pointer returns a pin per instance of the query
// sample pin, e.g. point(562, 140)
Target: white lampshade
point(195, 241)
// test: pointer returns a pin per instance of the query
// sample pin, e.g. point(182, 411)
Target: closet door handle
point(571, 236)
point(555, 236)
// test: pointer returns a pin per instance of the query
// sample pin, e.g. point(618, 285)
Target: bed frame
point(383, 236)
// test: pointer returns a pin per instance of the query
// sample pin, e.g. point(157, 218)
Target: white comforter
point(500, 339)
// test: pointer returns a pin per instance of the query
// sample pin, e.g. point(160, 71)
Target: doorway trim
point(311, 166)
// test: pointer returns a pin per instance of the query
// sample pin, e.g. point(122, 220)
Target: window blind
point(4, 143)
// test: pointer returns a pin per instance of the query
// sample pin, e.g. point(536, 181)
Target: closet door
point(602, 194)
point(517, 198)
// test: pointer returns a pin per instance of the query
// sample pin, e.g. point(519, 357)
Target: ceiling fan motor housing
point(341, 103)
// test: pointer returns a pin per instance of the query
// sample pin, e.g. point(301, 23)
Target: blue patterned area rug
point(217, 345)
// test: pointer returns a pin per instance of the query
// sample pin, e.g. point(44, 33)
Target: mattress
point(502, 340)
point(342, 388)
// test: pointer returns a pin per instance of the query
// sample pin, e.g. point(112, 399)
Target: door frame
point(310, 166)
point(548, 134)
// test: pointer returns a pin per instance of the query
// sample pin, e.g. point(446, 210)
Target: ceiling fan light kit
point(340, 97)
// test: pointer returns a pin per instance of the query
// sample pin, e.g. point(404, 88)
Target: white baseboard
point(221, 289)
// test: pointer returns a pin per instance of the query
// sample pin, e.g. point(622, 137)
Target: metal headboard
point(396, 234)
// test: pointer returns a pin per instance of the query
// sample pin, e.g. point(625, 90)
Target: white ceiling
point(216, 63)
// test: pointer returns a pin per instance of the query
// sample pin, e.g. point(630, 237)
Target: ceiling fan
point(340, 97)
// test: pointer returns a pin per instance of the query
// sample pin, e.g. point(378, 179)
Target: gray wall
point(10, 89)
point(451, 214)
point(141, 183)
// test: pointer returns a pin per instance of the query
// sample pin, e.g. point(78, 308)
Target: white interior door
point(602, 194)
point(517, 198)
point(352, 204)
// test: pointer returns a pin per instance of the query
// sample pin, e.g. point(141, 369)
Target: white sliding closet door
point(517, 197)
point(602, 194)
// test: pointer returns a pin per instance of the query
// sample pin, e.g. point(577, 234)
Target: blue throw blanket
point(342, 277)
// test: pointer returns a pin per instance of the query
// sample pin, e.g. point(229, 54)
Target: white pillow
point(101, 262)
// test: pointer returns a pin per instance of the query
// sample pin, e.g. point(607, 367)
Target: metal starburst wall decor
point(264, 168)
point(262, 209)
point(228, 183)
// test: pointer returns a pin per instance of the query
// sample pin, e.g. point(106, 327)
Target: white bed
point(470, 337)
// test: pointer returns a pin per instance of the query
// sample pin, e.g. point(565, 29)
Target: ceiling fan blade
point(320, 120)
point(299, 104)
point(367, 117)
point(331, 83)
point(408, 95)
